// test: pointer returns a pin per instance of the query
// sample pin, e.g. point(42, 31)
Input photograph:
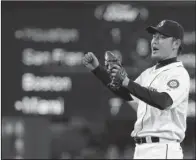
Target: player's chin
point(155, 56)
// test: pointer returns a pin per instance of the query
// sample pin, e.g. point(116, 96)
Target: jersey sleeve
point(176, 86)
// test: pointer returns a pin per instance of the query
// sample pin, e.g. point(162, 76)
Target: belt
point(149, 139)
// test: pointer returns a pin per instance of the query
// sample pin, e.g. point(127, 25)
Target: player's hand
point(90, 61)
point(118, 73)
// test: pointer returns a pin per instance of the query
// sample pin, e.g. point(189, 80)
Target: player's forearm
point(153, 98)
point(104, 77)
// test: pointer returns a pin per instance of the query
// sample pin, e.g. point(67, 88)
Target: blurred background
point(52, 106)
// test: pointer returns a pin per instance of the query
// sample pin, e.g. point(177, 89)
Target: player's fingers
point(90, 54)
point(84, 58)
point(84, 61)
point(116, 66)
point(113, 74)
point(88, 57)
point(109, 67)
point(113, 70)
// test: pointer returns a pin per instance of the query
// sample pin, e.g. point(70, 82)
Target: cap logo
point(161, 23)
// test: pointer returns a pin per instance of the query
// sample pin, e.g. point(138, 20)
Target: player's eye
point(159, 36)
point(163, 37)
point(154, 35)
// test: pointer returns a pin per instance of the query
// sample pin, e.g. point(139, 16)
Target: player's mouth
point(154, 49)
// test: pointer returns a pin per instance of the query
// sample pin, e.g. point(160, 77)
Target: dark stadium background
point(94, 123)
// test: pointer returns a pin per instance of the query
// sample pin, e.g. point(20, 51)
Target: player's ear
point(176, 43)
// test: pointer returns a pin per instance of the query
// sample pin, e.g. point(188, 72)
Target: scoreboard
point(42, 48)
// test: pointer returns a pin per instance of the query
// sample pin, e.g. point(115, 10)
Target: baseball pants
point(169, 150)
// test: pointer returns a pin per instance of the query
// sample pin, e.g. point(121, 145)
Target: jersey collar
point(167, 66)
point(165, 62)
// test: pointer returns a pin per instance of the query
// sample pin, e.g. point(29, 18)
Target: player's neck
point(165, 62)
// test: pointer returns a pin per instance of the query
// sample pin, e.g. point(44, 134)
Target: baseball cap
point(168, 28)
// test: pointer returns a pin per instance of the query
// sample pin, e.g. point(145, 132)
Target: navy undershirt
point(165, 62)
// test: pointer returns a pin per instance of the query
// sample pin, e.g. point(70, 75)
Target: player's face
point(161, 46)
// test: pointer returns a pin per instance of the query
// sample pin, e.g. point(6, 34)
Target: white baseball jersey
point(169, 123)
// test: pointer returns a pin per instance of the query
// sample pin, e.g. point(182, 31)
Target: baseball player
point(160, 92)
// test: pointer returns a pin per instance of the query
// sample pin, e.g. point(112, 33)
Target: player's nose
point(154, 43)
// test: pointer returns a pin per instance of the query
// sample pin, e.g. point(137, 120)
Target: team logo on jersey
point(173, 83)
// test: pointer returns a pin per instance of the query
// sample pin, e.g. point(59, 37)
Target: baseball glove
point(110, 60)
point(119, 77)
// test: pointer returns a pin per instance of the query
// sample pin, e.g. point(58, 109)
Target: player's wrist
point(125, 82)
point(94, 69)
point(94, 66)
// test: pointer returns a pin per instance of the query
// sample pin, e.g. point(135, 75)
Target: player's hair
point(179, 50)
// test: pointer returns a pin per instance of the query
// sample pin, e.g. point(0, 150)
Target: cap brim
point(152, 29)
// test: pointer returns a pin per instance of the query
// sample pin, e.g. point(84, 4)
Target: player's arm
point(101, 73)
point(160, 100)
point(135, 102)
point(92, 63)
